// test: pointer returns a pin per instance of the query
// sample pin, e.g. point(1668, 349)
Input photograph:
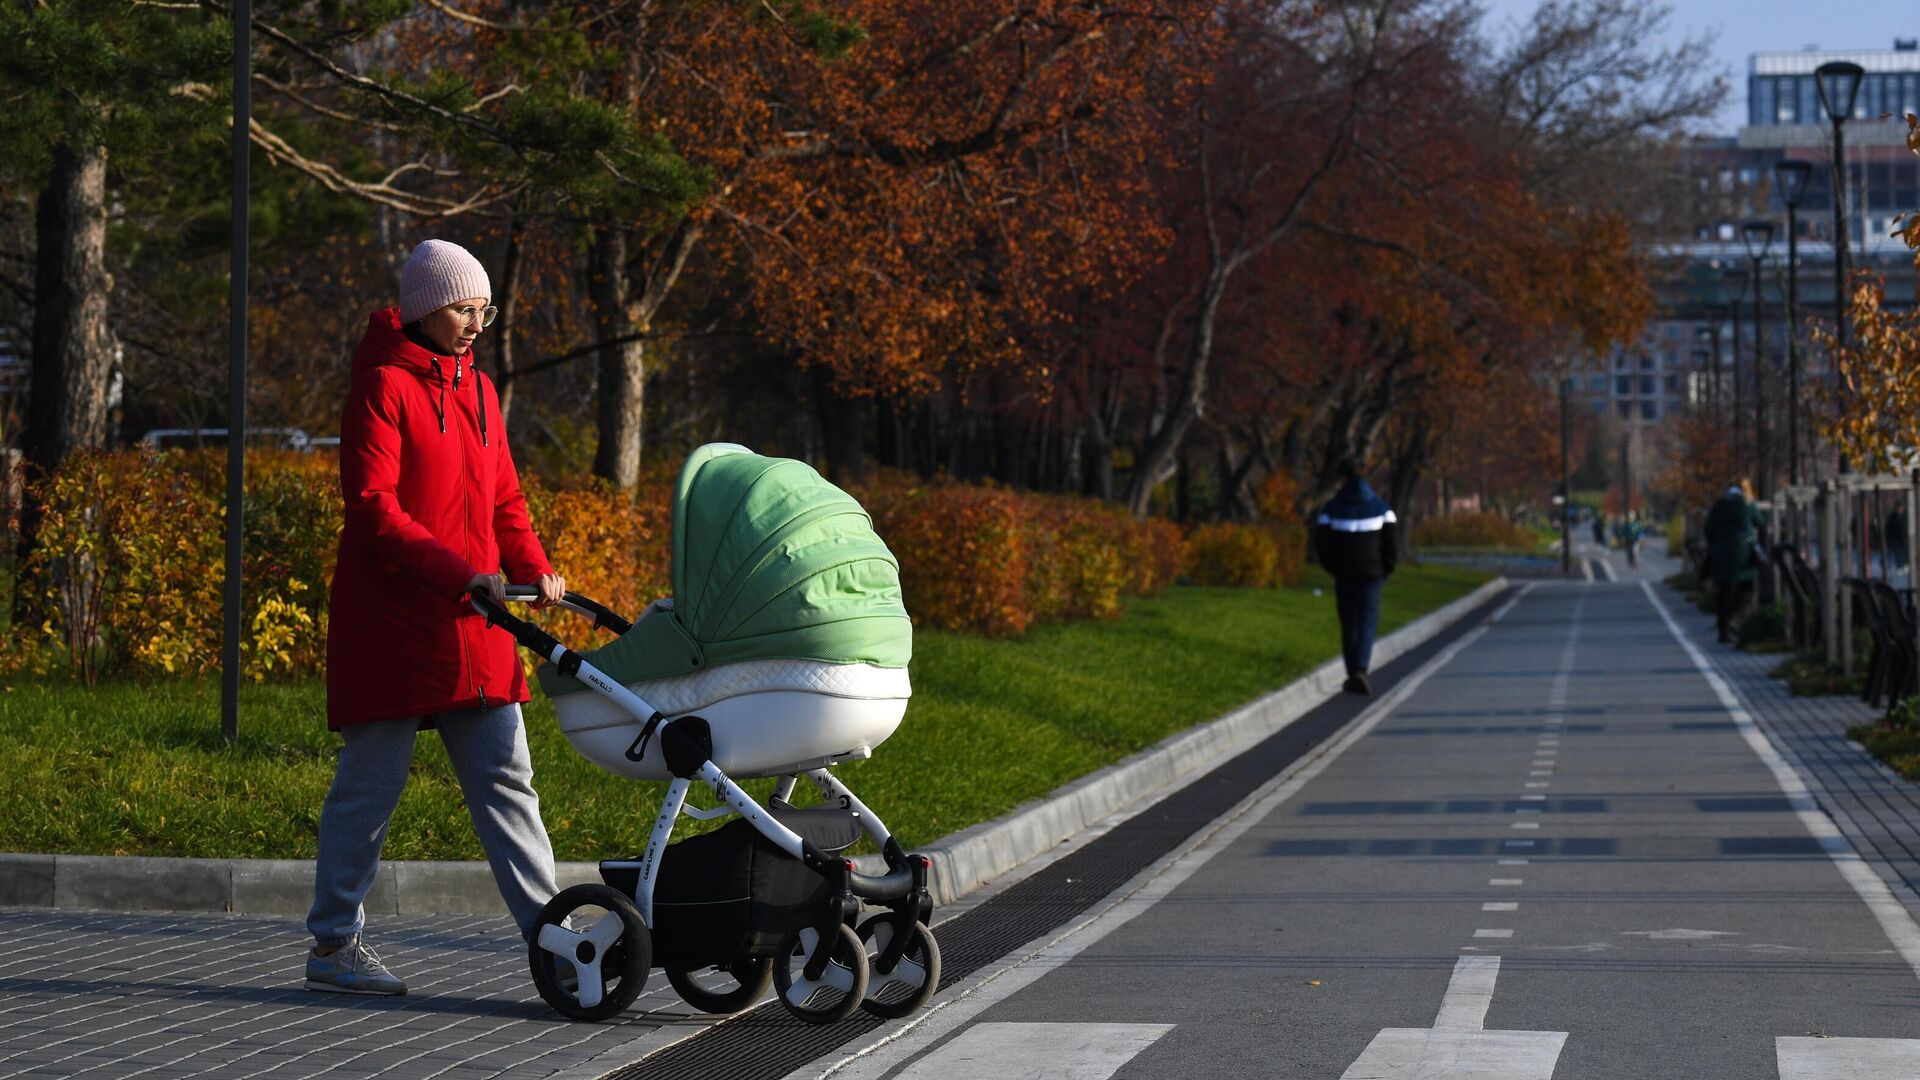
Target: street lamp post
point(1697, 393)
point(1709, 338)
point(1736, 281)
point(1758, 236)
point(1566, 485)
point(1791, 178)
point(1839, 83)
point(236, 369)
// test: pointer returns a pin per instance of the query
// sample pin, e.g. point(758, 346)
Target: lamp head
point(1759, 237)
point(1838, 83)
point(1790, 178)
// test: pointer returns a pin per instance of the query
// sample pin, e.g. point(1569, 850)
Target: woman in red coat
point(433, 510)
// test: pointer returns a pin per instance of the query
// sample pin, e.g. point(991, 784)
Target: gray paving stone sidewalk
point(167, 996)
point(1878, 810)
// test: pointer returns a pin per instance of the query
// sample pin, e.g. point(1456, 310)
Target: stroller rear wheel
point(723, 988)
point(837, 993)
point(590, 952)
point(899, 992)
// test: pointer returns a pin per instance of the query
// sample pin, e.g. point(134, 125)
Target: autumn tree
point(94, 90)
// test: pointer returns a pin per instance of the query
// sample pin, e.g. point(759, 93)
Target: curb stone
point(962, 861)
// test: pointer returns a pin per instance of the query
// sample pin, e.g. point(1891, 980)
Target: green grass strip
point(139, 769)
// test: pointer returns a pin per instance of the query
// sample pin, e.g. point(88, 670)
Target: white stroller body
point(769, 717)
point(786, 654)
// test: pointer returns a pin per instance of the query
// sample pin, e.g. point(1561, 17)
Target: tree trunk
point(1154, 463)
point(72, 344)
point(843, 430)
point(1096, 464)
point(506, 299)
point(622, 389)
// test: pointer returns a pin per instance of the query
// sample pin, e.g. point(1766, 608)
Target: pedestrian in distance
point(1732, 526)
point(1630, 533)
point(433, 511)
point(1600, 529)
point(1356, 539)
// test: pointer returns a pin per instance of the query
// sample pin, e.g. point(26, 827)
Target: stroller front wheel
point(590, 952)
point(894, 994)
point(842, 984)
point(724, 988)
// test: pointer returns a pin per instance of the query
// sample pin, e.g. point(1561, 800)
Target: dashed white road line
point(1013, 973)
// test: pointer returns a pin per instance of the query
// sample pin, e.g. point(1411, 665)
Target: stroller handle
point(533, 637)
point(602, 615)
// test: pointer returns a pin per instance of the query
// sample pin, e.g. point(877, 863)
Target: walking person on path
point(1732, 526)
point(1356, 540)
point(433, 511)
point(1630, 533)
point(1600, 530)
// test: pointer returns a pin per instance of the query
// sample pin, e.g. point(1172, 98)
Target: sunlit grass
point(139, 769)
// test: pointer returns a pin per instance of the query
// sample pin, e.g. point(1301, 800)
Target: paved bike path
point(1561, 857)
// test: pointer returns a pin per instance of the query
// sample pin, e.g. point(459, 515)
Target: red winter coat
point(432, 499)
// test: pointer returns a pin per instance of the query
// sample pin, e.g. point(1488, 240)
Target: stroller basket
point(732, 892)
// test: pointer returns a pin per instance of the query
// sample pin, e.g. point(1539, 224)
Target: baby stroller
point(783, 652)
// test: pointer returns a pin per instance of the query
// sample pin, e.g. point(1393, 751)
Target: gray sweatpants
point(488, 749)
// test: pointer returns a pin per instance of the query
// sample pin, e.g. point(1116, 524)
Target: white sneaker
point(352, 969)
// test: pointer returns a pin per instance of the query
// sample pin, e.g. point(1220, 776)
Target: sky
point(1743, 27)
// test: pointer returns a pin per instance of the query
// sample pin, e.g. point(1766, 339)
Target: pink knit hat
point(437, 274)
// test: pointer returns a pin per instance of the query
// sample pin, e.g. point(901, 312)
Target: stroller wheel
point(724, 988)
point(590, 952)
point(837, 993)
point(897, 993)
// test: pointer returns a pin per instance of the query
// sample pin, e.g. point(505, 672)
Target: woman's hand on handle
point(553, 588)
point(494, 584)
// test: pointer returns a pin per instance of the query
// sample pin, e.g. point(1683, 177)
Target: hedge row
point(127, 572)
point(1477, 529)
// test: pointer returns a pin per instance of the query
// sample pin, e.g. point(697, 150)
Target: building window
point(1809, 100)
point(1649, 410)
point(1597, 384)
point(1673, 384)
point(1646, 384)
point(1646, 363)
point(1626, 410)
point(1762, 112)
point(1623, 385)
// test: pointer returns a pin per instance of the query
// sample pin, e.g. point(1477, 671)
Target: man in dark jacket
point(1355, 538)
point(1732, 525)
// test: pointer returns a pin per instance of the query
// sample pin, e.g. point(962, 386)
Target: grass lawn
point(139, 769)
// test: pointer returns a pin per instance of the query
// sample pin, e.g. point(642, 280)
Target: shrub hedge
point(1474, 530)
point(126, 575)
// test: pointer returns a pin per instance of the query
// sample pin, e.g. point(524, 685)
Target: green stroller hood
point(770, 561)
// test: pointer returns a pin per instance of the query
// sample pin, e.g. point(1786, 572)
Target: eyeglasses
point(470, 314)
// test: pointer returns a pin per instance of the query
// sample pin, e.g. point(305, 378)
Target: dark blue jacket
point(1355, 535)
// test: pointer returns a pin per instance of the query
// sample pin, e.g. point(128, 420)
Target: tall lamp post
point(236, 368)
point(1790, 177)
point(1736, 283)
point(1708, 338)
point(1839, 83)
point(1697, 393)
point(1758, 236)
point(1566, 484)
